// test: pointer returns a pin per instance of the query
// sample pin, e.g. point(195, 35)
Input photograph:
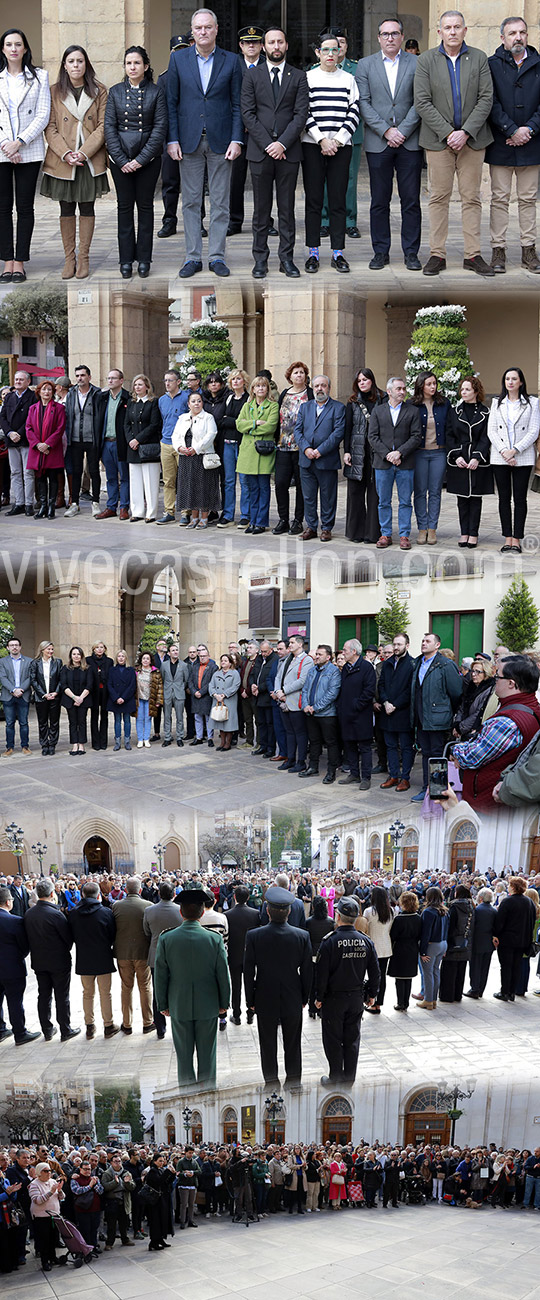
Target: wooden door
point(428, 1126)
point(337, 1128)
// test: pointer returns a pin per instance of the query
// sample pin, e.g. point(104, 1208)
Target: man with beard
point(395, 698)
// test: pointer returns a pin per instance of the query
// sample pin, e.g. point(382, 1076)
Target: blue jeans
point(404, 739)
point(258, 486)
point(428, 479)
point(230, 457)
point(144, 725)
point(404, 481)
point(432, 970)
point(126, 717)
point(532, 1185)
point(16, 710)
point(115, 469)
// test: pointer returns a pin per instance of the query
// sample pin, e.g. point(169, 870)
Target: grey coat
point(7, 678)
point(377, 107)
point(158, 918)
point(174, 688)
point(227, 684)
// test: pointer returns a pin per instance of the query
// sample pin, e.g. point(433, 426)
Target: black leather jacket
point(135, 122)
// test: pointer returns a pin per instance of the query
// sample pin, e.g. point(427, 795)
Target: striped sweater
point(334, 109)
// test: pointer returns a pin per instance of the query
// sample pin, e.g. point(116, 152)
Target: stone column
point(325, 328)
point(124, 327)
point(84, 611)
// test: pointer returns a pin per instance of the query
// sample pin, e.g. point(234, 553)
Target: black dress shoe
point(15, 510)
point(282, 527)
point(29, 510)
point(272, 231)
point(51, 1033)
point(196, 742)
point(288, 267)
point(296, 527)
point(250, 529)
point(340, 263)
point(64, 1038)
point(378, 262)
point(126, 270)
point(165, 744)
point(309, 771)
point(234, 228)
point(219, 267)
point(260, 270)
point(329, 778)
point(144, 270)
point(180, 744)
point(353, 232)
point(257, 530)
point(412, 262)
point(189, 269)
point(168, 228)
point(312, 265)
point(325, 232)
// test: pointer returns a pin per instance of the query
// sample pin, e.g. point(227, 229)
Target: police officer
point(277, 980)
point(250, 40)
point(192, 986)
point(343, 960)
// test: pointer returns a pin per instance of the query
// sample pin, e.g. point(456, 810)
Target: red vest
point(479, 782)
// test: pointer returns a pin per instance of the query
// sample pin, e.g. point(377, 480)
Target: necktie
point(275, 84)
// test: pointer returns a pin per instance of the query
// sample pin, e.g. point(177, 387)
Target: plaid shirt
point(498, 736)
point(33, 116)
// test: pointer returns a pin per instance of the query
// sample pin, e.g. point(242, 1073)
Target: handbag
point(338, 1180)
point(148, 1196)
point(265, 446)
point(211, 460)
point(83, 1200)
point(149, 451)
point(219, 713)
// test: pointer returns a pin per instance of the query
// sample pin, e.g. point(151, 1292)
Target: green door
point(369, 631)
point(471, 634)
point(346, 631)
point(443, 625)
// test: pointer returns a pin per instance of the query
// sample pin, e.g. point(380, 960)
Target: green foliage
point(439, 343)
point(118, 1104)
point(393, 617)
point(7, 627)
point(4, 371)
point(35, 309)
point(290, 832)
point(156, 628)
point(208, 348)
point(518, 618)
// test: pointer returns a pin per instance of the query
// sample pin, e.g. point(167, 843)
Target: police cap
point(251, 33)
point(193, 895)
point(333, 31)
point(348, 907)
point(278, 897)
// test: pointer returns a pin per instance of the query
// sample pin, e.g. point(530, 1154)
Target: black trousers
point(479, 965)
point(99, 723)
point(236, 990)
point(403, 992)
point(13, 991)
point(77, 724)
point(287, 471)
point(334, 169)
point(406, 165)
point(48, 716)
point(383, 964)
point(362, 514)
point(264, 175)
point(236, 194)
point(358, 756)
point(157, 722)
point(470, 513)
point(323, 731)
point(19, 179)
point(431, 744)
point(510, 961)
point(265, 728)
point(45, 1235)
point(56, 982)
point(115, 1214)
point(379, 737)
point(341, 1024)
point(249, 715)
point(291, 1028)
point(512, 483)
point(78, 450)
point(452, 980)
point(159, 1019)
point(297, 736)
point(170, 186)
point(136, 190)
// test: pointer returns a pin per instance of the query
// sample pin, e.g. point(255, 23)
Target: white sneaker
point(147, 744)
point(140, 744)
point(95, 508)
point(71, 510)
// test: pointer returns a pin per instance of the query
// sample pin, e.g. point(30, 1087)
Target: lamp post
point(274, 1107)
point(159, 850)
point(40, 850)
point(15, 840)
point(187, 1116)
point(448, 1096)
point(335, 842)
point(396, 832)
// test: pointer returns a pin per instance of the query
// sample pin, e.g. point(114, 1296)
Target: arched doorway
point(337, 1121)
point(230, 1125)
point(171, 857)
point(97, 854)
point(170, 1129)
point(409, 846)
point(374, 863)
point(196, 1128)
point(423, 1123)
point(533, 849)
point(349, 854)
point(464, 846)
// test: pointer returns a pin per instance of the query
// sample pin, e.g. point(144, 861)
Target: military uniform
point(192, 983)
point(344, 959)
point(277, 979)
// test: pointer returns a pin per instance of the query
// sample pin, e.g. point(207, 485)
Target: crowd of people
point(214, 111)
point(287, 705)
point(141, 1193)
point(222, 429)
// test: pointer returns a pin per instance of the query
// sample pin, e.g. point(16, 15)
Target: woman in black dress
point(75, 684)
point(469, 476)
point(362, 518)
point(161, 1178)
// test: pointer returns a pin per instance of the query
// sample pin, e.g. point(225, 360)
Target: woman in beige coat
point(75, 167)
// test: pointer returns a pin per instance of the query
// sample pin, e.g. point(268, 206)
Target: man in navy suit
point(13, 950)
point(205, 123)
point(319, 429)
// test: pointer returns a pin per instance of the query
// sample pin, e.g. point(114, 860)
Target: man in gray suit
point(175, 675)
point(157, 918)
point(385, 82)
point(15, 687)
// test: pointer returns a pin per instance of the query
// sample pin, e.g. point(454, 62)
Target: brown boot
point(498, 260)
point(67, 231)
point(86, 231)
point(529, 259)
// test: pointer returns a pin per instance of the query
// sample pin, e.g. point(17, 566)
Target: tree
point(518, 618)
point(29, 1118)
point(290, 831)
point(208, 348)
point(156, 628)
point(393, 618)
point(37, 309)
point(231, 844)
point(439, 343)
point(7, 627)
point(118, 1104)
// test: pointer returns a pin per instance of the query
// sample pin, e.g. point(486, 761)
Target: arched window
point(230, 1125)
point(423, 1122)
point(170, 1129)
point(375, 853)
point(464, 846)
point(409, 846)
point(196, 1128)
point(337, 1120)
point(349, 854)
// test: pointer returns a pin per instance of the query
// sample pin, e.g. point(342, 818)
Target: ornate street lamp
point(159, 850)
point(448, 1096)
point(40, 850)
point(274, 1108)
point(396, 832)
point(187, 1116)
point(14, 835)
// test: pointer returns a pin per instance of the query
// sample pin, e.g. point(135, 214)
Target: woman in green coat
point(258, 422)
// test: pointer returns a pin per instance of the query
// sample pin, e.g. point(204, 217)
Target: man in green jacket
point(192, 986)
point(453, 95)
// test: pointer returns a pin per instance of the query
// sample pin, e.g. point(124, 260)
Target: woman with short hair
point(258, 422)
point(237, 396)
point(224, 687)
point(513, 933)
point(476, 694)
point(287, 468)
point(45, 424)
point(193, 437)
point(459, 945)
point(122, 697)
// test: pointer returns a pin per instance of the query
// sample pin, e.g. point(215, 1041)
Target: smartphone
point(438, 778)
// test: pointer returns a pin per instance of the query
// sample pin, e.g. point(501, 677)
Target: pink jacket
point(54, 419)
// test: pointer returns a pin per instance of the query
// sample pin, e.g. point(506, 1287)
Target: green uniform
point(351, 202)
point(192, 983)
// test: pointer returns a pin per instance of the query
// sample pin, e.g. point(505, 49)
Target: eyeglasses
point(390, 36)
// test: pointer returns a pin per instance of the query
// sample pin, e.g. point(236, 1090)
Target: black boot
point(53, 492)
point(41, 493)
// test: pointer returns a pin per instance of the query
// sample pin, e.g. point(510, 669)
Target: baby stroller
point(77, 1248)
point(414, 1190)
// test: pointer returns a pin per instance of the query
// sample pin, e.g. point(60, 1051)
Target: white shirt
point(513, 412)
point(394, 412)
point(82, 397)
point(46, 666)
point(279, 66)
point(391, 67)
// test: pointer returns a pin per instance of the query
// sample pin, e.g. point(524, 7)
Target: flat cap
point(278, 897)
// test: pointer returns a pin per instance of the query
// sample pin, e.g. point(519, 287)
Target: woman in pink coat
point(338, 1190)
point(44, 430)
point(328, 892)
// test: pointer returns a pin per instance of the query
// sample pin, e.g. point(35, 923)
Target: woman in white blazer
point(513, 428)
point(198, 483)
point(25, 106)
